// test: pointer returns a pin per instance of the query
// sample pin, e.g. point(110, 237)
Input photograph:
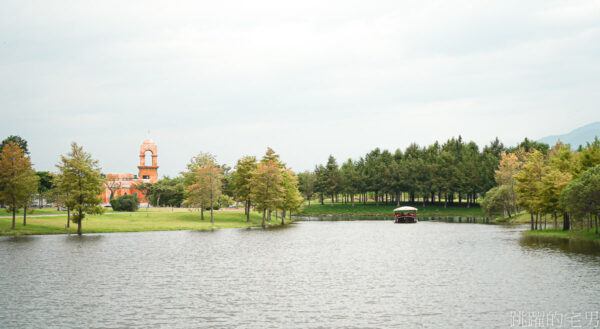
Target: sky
point(307, 78)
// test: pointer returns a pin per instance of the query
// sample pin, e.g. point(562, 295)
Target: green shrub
point(125, 203)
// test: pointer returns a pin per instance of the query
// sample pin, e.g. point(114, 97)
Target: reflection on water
point(563, 245)
point(448, 219)
point(326, 274)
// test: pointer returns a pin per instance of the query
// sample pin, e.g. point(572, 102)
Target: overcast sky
point(308, 78)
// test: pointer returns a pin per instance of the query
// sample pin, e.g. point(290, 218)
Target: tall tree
point(349, 179)
point(45, 186)
point(505, 176)
point(266, 188)
point(146, 190)
point(291, 200)
point(333, 178)
point(17, 178)
point(242, 176)
point(207, 186)
point(528, 186)
point(307, 184)
point(21, 143)
point(80, 176)
point(582, 196)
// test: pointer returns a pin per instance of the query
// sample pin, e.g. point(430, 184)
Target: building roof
point(406, 209)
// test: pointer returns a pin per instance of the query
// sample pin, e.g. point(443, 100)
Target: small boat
point(405, 215)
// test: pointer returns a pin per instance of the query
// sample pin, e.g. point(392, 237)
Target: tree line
point(549, 183)
point(448, 173)
point(266, 185)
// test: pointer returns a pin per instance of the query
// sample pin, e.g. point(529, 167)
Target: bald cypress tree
point(80, 177)
point(18, 181)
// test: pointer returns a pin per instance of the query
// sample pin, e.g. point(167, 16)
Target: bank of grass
point(370, 209)
point(33, 212)
point(133, 222)
point(521, 218)
point(573, 235)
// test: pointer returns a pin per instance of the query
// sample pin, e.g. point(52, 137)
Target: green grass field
point(33, 212)
point(577, 235)
point(133, 222)
point(371, 209)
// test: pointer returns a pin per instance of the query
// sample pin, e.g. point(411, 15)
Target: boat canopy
point(406, 209)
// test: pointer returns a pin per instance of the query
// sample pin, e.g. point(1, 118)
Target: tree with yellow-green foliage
point(528, 185)
point(242, 177)
point(18, 181)
point(291, 199)
point(80, 178)
point(509, 165)
point(265, 184)
point(206, 188)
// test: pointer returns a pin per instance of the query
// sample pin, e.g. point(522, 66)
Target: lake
point(310, 274)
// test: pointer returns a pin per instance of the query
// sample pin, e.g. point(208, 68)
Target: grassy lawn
point(52, 211)
point(577, 235)
point(522, 217)
point(371, 209)
point(132, 222)
point(33, 212)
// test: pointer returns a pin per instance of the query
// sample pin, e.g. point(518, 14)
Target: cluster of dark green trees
point(448, 173)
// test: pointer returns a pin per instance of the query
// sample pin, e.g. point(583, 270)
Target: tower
point(148, 171)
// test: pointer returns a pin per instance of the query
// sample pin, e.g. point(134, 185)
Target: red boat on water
point(405, 215)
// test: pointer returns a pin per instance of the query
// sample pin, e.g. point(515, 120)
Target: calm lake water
point(312, 274)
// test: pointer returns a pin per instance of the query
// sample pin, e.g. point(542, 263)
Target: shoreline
point(565, 235)
point(127, 222)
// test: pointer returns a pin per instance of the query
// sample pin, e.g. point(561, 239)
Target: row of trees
point(77, 184)
point(453, 171)
point(265, 185)
point(556, 182)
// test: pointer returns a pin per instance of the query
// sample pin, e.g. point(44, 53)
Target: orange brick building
point(124, 184)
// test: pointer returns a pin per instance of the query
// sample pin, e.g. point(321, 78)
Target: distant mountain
point(579, 136)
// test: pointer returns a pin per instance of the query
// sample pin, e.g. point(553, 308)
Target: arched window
point(148, 158)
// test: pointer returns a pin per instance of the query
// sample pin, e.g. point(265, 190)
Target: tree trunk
point(79, 223)
point(269, 216)
point(263, 218)
point(201, 213)
point(25, 216)
point(283, 217)
point(531, 221)
point(68, 217)
point(212, 218)
point(14, 213)
point(332, 199)
point(596, 224)
point(352, 196)
point(555, 223)
point(566, 222)
point(248, 210)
